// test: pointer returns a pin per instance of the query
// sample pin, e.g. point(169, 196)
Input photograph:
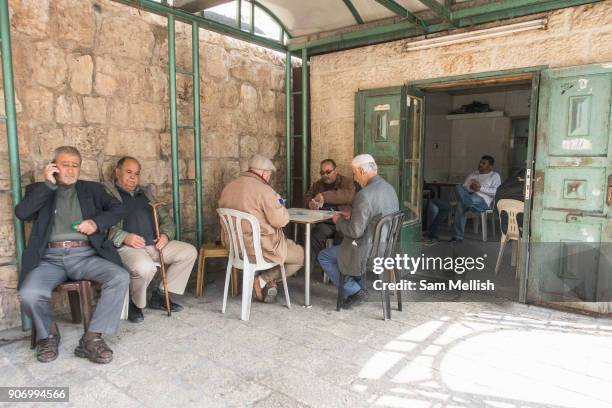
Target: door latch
point(573, 216)
point(609, 195)
point(527, 184)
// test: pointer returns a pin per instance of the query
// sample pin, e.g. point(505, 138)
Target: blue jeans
point(328, 259)
point(466, 201)
point(439, 210)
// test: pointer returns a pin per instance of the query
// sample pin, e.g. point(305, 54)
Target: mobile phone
point(54, 174)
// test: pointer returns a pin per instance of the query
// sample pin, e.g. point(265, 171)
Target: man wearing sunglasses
point(331, 192)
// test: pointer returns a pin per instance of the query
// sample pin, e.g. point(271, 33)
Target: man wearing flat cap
point(252, 193)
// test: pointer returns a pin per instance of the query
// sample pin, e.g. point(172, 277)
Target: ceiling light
point(538, 24)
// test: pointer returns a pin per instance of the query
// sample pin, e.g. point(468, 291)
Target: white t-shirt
point(488, 184)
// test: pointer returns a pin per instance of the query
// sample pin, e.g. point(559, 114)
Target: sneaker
point(270, 291)
point(135, 313)
point(158, 301)
point(355, 300)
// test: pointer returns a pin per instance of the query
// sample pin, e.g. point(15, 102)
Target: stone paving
point(502, 355)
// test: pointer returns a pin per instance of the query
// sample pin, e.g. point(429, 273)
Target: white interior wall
point(460, 143)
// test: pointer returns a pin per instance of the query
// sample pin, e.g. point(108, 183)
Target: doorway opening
point(467, 122)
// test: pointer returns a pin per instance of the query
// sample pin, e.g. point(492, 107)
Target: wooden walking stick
point(161, 256)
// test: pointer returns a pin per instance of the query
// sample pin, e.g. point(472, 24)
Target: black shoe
point(355, 300)
point(158, 301)
point(455, 240)
point(135, 313)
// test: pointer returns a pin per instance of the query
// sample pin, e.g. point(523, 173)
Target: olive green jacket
point(117, 234)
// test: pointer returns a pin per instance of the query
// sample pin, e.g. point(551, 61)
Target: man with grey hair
point(68, 241)
point(252, 193)
point(376, 198)
point(134, 236)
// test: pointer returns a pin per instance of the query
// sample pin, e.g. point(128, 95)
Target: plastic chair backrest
point(512, 208)
point(386, 236)
point(232, 221)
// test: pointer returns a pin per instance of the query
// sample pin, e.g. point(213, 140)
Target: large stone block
point(81, 73)
point(89, 140)
point(230, 97)
point(38, 103)
point(246, 69)
point(126, 37)
point(215, 61)
point(8, 277)
point(48, 141)
point(591, 15)
point(74, 23)
point(49, 67)
point(248, 98)
point(68, 110)
point(90, 170)
point(7, 243)
point(6, 208)
point(95, 109)
point(31, 17)
point(249, 146)
point(147, 116)
point(222, 144)
point(141, 144)
point(156, 172)
point(119, 113)
point(268, 100)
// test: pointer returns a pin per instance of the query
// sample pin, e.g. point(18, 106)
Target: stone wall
point(575, 36)
point(93, 74)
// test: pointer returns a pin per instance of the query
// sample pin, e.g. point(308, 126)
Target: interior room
point(462, 124)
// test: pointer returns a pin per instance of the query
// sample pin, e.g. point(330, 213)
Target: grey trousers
point(60, 264)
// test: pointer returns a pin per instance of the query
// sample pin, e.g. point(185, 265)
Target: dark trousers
point(60, 264)
point(319, 234)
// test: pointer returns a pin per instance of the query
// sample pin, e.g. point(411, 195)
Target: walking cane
point(161, 256)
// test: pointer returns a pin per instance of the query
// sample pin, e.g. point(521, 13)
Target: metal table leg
point(307, 267)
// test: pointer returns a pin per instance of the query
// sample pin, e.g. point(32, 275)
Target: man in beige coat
point(252, 194)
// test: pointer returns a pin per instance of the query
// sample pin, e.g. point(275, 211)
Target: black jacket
point(38, 206)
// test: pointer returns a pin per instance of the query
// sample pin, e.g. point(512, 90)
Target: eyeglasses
point(327, 173)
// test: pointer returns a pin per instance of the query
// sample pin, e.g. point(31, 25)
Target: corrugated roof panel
point(312, 16)
point(371, 11)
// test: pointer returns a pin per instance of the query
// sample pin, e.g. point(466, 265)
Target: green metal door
point(389, 126)
point(571, 230)
point(379, 133)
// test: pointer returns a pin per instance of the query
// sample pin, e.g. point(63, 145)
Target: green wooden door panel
point(575, 188)
point(381, 136)
point(580, 106)
point(572, 217)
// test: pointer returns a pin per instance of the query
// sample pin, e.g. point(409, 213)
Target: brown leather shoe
point(95, 349)
point(257, 290)
point(47, 349)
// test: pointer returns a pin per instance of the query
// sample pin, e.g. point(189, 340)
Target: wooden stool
point(213, 251)
point(80, 296)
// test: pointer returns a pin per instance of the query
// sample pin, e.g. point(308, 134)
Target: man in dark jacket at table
point(377, 198)
point(332, 191)
point(68, 241)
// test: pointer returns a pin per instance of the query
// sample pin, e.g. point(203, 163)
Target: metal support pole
point(288, 138)
point(305, 120)
point(173, 127)
point(252, 17)
point(239, 14)
point(197, 136)
point(13, 141)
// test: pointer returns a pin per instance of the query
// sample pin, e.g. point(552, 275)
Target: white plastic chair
point(512, 208)
point(238, 258)
point(484, 216)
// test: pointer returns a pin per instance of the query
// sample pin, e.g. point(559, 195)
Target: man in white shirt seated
point(475, 194)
